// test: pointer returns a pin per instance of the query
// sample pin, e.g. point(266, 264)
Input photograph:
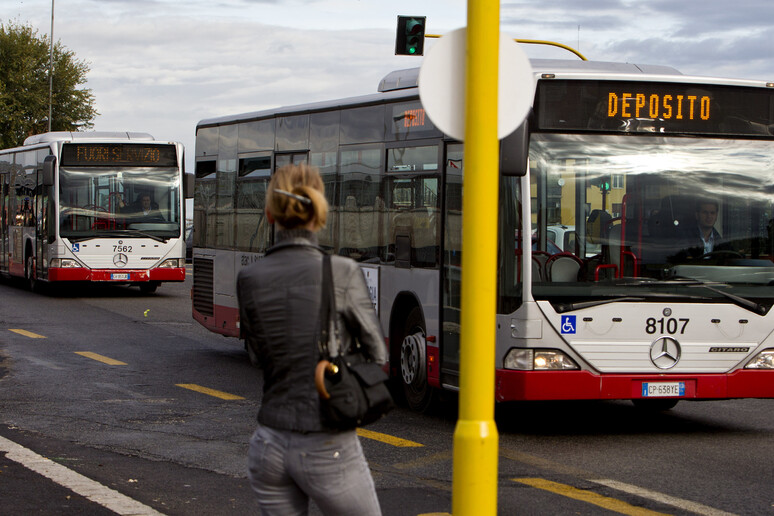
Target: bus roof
point(403, 84)
point(67, 136)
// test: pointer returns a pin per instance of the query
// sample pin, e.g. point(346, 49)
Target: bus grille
point(203, 286)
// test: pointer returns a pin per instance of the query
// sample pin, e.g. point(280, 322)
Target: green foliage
point(24, 87)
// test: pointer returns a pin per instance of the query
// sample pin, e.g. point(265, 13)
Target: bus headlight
point(538, 360)
point(172, 263)
point(64, 263)
point(763, 360)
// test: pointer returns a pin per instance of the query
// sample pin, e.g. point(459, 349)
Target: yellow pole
point(474, 478)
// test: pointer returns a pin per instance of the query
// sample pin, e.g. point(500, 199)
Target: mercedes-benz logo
point(120, 260)
point(665, 352)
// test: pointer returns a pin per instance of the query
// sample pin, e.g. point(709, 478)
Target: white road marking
point(94, 491)
point(686, 505)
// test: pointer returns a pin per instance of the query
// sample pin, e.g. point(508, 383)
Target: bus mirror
point(514, 150)
point(47, 175)
point(188, 185)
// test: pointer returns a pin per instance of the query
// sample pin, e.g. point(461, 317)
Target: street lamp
point(51, 68)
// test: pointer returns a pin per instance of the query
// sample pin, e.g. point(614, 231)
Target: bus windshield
point(652, 216)
point(108, 201)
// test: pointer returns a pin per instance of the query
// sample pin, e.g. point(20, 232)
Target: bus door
point(452, 259)
point(4, 176)
point(44, 233)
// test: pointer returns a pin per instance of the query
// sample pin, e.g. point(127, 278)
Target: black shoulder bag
point(353, 390)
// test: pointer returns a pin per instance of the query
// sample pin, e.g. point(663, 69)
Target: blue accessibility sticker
point(568, 324)
point(76, 248)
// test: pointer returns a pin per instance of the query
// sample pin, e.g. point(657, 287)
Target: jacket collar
point(294, 238)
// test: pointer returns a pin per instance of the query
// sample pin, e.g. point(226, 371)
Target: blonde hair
point(290, 212)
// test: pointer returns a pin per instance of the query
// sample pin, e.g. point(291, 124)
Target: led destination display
point(612, 106)
point(133, 155)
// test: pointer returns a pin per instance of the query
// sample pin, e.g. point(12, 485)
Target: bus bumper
point(116, 276)
point(584, 385)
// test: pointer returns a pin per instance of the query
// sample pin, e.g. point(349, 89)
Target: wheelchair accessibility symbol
point(568, 324)
point(76, 248)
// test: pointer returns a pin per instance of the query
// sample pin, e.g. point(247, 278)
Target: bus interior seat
point(563, 267)
point(539, 259)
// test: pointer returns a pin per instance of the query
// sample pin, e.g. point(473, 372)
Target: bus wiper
point(569, 307)
point(127, 232)
point(738, 300)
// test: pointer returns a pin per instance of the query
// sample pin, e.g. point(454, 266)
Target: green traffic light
point(410, 35)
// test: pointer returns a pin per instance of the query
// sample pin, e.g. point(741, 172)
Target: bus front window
point(96, 201)
point(616, 216)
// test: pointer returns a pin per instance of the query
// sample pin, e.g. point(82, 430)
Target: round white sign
point(442, 85)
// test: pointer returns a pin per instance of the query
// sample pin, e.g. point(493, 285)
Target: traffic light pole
point(474, 478)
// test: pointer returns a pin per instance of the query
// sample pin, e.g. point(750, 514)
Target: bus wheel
point(655, 405)
point(413, 363)
point(149, 287)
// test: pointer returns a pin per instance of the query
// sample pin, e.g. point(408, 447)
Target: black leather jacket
point(279, 305)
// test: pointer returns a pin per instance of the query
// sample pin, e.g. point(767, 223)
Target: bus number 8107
point(664, 325)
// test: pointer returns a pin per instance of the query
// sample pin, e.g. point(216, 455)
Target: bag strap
point(327, 310)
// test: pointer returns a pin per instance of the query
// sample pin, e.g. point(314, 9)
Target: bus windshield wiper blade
point(738, 300)
point(569, 307)
point(127, 232)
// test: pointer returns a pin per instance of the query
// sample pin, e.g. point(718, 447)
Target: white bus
point(73, 209)
point(631, 307)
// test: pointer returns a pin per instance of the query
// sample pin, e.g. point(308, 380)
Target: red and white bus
point(628, 306)
point(93, 207)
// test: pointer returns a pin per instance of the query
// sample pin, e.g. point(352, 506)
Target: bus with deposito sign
point(633, 305)
point(95, 207)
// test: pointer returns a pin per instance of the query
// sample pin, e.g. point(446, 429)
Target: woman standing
point(293, 456)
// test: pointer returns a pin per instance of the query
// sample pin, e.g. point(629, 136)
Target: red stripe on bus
point(584, 385)
point(83, 274)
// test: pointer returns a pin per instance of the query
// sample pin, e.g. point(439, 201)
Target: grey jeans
point(287, 468)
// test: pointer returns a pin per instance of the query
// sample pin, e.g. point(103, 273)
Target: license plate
point(120, 276)
point(663, 389)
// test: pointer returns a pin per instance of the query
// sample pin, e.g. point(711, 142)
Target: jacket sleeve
point(359, 314)
point(243, 299)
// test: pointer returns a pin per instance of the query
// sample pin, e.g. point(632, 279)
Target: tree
point(24, 87)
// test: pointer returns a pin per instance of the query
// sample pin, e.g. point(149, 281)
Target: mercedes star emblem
point(120, 260)
point(665, 352)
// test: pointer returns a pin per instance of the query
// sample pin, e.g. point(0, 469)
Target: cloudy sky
point(160, 66)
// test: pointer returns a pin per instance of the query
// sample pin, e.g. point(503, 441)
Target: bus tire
point(655, 405)
point(149, 287)
point(413, 363)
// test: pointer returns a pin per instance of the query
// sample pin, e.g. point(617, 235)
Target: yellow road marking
point(100, 358)
point(605, 502)
point(425, 461)
point(211, 392)
point(29, 334)
point(389, 439)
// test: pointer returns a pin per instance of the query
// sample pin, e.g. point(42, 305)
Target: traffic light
point(603, 182)
point(410, 36)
